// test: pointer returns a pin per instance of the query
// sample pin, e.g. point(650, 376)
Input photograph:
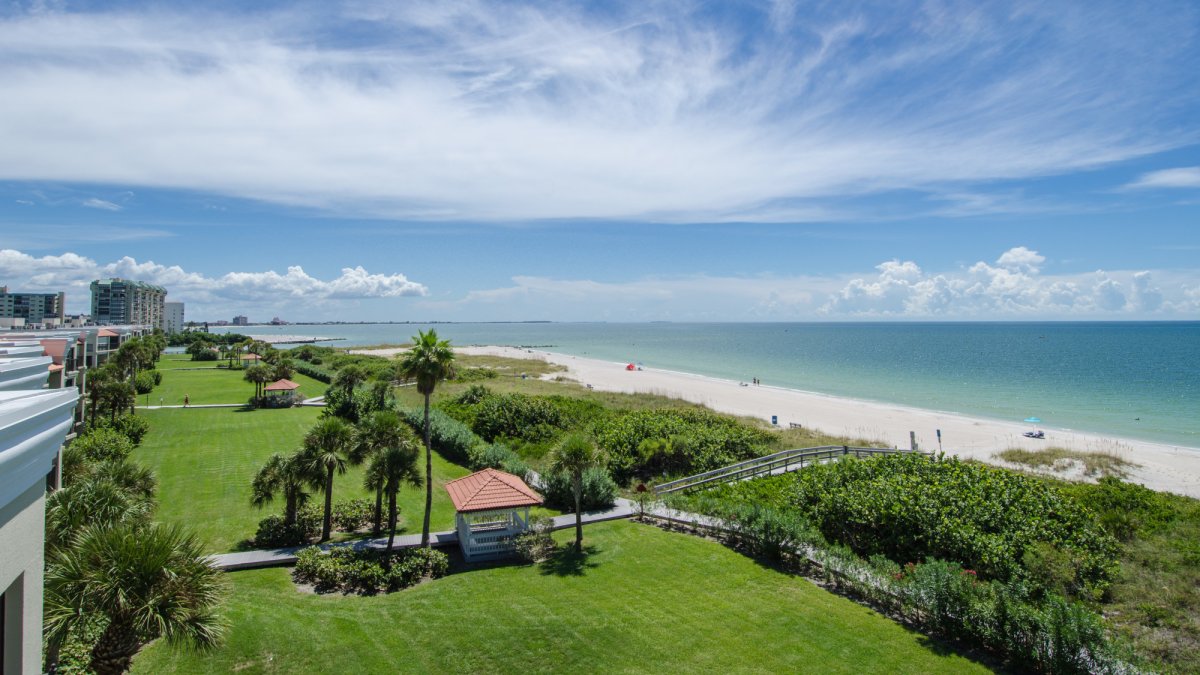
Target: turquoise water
point(1137, 380)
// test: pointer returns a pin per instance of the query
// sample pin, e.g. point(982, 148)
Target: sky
point(639, 161)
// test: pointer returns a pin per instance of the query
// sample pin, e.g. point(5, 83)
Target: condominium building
point(240, 320)
point(33, 425)
point(173, 317)
point(121, 301)
point(37, 309)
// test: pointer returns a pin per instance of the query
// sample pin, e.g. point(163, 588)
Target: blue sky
point(617, 161)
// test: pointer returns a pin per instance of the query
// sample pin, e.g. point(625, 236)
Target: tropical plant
point(102, 445)
point(396, 465)
point(380, 430)
point(574, 455)
point(286, 476)
point(326, 449)
point(259, 375)
point(147, 581)
point(428, 362)
point(104, 493)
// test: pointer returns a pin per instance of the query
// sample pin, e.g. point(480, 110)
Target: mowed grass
point(642, 600)
point(216, 385)
point(205, 459)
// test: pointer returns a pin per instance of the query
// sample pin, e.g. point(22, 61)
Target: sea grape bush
point(530, 418)
point(498, 456)
point(910, 507)
point(352, 515)
point(692, 440)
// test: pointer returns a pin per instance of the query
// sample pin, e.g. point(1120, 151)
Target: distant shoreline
point(1161, 466)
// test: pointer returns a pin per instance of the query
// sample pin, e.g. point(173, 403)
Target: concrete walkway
point(194, 405)
point(244, 560)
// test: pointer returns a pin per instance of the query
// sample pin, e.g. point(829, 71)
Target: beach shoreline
point(1159, 466)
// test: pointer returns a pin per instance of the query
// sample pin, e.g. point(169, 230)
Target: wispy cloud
point(475, 110)
point(1184, 177)
point(103, 205)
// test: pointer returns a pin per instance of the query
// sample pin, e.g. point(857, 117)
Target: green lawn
point(216, 385)
point(176, 361)
point(643, 600)
point(205, 459)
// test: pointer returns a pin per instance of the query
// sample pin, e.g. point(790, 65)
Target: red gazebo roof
point(282, 385)
point(489, 490)
point(250, 357)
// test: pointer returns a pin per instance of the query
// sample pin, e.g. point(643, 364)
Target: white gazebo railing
point(488, 535)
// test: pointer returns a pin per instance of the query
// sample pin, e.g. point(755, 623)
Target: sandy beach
point(1159, 467)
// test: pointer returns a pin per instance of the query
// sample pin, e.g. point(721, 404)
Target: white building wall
point(173, 313)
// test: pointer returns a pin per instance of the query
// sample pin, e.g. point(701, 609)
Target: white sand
point(1160, 467)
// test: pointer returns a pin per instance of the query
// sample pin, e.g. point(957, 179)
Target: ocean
point(1131, 379)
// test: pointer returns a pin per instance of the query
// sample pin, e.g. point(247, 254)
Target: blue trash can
point(774, 419)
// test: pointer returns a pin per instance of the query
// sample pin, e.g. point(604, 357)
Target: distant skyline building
point(173, 313)
point(126, 302)
point(240, 320)
point(34, 308)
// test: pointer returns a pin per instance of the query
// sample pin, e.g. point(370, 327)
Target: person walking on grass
point(186, 400)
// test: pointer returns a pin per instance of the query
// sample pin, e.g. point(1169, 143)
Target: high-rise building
point(119, 302)
point(34, 308)
point(174, 317)
point(240, 320)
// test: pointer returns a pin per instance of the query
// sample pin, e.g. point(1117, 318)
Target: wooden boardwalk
point(769, 465)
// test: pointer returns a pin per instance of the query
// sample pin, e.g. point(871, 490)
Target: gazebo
point(492, 507)
point(250, 359)
point(281, 393)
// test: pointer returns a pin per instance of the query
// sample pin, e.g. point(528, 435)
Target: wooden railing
point(780, 462)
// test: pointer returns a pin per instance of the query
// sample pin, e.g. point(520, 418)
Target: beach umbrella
point(1033, 420)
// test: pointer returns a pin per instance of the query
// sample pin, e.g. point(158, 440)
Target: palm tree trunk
point(289, 513)
point(328, 526)
point(114, 650)
point(428, 479)
point(578, 480)
point(391, 517)
point(377, 520)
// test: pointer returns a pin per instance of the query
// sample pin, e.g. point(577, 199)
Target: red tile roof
point(104, 332)
point(55, 349)
point(491, 489)
point(250, 357)
point(282, 385)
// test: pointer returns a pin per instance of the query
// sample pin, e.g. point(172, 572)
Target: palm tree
point(287, 476)
point(380, 430)
point(574, 455)
point(326, 448)
point(428, 362)
point(259, 375)
point(393, 466)
point(148, 581)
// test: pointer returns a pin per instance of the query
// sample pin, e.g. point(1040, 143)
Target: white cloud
point(1014, 288)
point(295, 289)
point(103, 205)
point(489, 111)
point(1184, 177)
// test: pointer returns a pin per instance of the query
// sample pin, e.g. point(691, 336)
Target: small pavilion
point(492, 508)
point(250, 359)
point(282, 393)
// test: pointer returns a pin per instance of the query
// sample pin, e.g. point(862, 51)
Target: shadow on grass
point(567, 562)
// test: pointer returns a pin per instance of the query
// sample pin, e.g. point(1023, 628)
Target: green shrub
point(536, 544)
point(698, 440)
point(144, 382)
point(272, 533)
point(473, 394)
point(353, 515)
point(1125, 510)
point(909, 507)
point(451, 438)
point(367, 572)
point(310, 369)
point(498, 456)
point(475, 374)
point(157, 377)
point(103, 445)
point(205, 356)
point(599, 490)
point(770, 533)
point(133, 427)
point(529, 418)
